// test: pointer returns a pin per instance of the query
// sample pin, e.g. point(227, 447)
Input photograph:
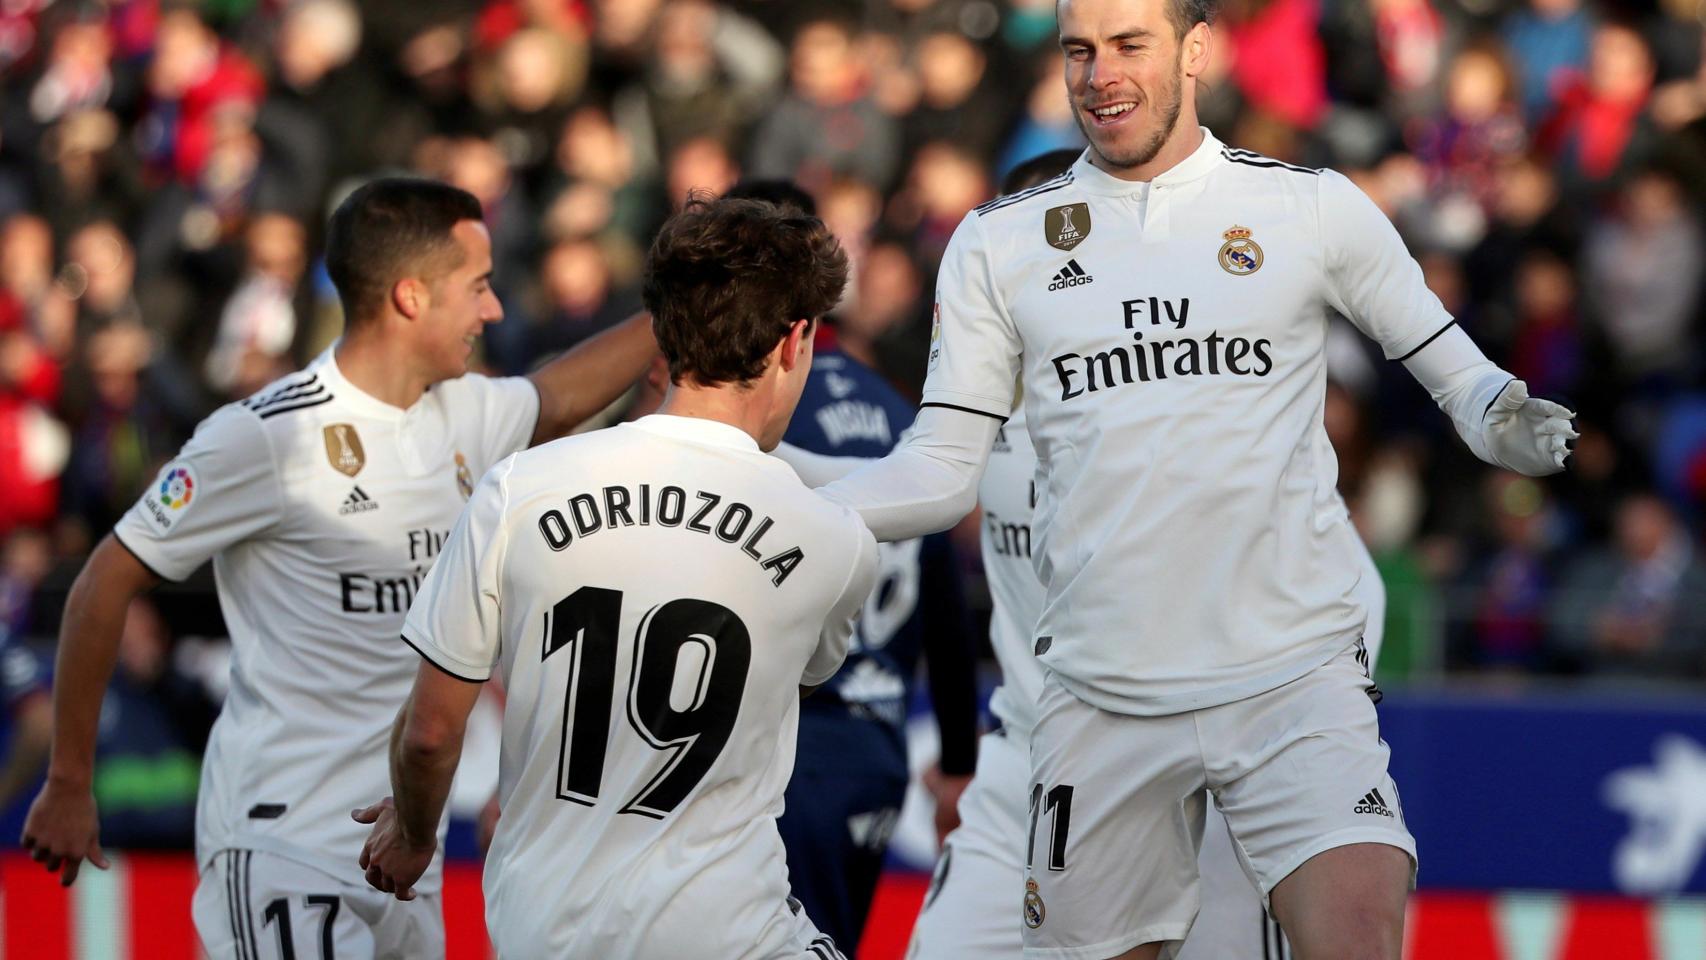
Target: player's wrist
point(70, 780)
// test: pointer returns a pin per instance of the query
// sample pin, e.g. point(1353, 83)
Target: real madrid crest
point(1066, 227)
point(1035, 912)
point(464, 476)
point(1239, 255)
point(343, 449)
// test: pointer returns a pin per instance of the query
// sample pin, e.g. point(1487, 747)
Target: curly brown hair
point(725, 279)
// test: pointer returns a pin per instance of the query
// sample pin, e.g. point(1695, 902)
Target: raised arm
point(1373, 281)
point(62, 829)
point(590, 377)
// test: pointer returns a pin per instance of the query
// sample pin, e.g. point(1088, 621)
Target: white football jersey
point(1007, 494)
point(653, 595)
point(322, 508)
point(1170, 336)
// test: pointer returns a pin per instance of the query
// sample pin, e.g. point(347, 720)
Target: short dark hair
point(783, 193)
point(389, 229)
point(1185, 14)
point(725, 279)
point(1039, 169)
point(1182, 14)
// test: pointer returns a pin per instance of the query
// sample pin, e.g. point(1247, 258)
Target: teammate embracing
point(323, 500)
point(654, 596)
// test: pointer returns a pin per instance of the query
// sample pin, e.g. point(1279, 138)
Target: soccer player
point(1165, 304)
point(653, 595)
point(323, 500)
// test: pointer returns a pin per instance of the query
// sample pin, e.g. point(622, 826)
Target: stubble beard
point(1172, 102)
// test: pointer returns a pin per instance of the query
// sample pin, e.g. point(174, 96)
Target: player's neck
point(738, 408)
point(382, 373)
point(1187, 136)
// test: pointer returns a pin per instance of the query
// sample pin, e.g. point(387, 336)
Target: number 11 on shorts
point(1057, 803)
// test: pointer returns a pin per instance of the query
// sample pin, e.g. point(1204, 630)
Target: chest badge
point(1239, 255)
point(464, 476)
point(1066, 227)
point(343, 449)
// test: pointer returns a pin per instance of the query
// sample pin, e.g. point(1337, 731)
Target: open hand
point(1527, 434)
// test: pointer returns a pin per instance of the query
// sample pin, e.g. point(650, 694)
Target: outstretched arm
point(1372, 280)
point(62, 830)
point(928, 483)
point(1491, 409)
point(590, 377)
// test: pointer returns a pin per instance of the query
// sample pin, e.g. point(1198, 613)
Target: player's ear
point(796, 347)
point(1198, 44)
point(409, 297)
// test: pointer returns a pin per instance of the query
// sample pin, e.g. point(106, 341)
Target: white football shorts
point(977, 891)
point(255, 905)
point(1117, 808)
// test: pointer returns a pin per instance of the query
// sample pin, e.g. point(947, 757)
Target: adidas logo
point(1071, 275)
point(1373, 802)
point(357, 502)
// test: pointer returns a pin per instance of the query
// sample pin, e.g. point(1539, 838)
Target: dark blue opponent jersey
point(917, 608)
point(23, 674)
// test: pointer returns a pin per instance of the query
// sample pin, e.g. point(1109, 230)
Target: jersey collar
point(1205, 158)
point(350, 395)
point(695, 430)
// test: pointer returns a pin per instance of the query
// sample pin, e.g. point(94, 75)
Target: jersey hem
point(430, 882)
point(421, 646)
point(1169, 704)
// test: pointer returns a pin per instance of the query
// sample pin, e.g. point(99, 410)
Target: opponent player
point(653, 595)
point(322, 500)
point(1165, 303)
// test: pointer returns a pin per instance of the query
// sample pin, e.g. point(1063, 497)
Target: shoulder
point(1046, 194)
point(479, 388)
point(302, 390)
point(1277, 168)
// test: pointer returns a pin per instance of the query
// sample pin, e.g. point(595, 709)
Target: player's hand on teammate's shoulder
point(1528, 434)
point(62, 830)
point(393, 864)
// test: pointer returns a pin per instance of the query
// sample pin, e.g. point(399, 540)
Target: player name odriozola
point(670, 506)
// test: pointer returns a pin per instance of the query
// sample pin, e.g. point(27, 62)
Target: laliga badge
point(343, 449)
point(464, 476)
point(935, 335)
point(1239, 255)
point(1066, 227)
point(1034, 910)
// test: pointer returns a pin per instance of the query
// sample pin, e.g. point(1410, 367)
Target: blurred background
point(166, 169)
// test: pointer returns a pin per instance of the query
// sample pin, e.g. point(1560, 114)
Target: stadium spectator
point(1510, 580)
point(827, 125)
point(1599, 128)
point(1638, 607)
point(1549, 40)
point(1642, 270)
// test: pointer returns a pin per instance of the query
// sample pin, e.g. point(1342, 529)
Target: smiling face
point(1126, 76)
point(459, 304)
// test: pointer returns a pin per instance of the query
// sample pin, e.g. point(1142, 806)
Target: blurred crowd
point(166, 169)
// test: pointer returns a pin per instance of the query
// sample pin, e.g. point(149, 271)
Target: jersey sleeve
point(508, 413)
point(838, 625)
point(222, 488)
point(974, 345)
point(453, 622)
point(1371, 277)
